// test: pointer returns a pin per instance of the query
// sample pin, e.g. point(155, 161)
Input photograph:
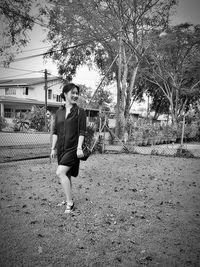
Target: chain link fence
point(144, 136)
point(166, 149)
point(23, 145)
point(140, 138)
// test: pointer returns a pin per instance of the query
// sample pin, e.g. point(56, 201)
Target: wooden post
point(148, 109)
point(183, 130)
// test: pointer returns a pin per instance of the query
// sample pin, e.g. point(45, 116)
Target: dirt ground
point(131, 210)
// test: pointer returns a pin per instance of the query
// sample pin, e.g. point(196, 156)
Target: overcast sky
point(188, 11)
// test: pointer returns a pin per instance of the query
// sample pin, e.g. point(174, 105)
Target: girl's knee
point(59, 173)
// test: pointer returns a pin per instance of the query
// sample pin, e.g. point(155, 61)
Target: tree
point(101, 30)
point(16, 22)
point(174, 66)
point(88, 99)
point(85, 96)
point(159, 102)
point(101, 98)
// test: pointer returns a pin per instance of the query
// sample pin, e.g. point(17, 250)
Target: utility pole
point(45, 88)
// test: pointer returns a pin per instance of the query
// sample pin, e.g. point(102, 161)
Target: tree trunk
point(176, 105)
point(129, 92)
point(119, 85)
point(118, 109)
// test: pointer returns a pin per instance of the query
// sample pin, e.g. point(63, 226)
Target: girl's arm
point(54, 141)
point(79, 147)
point(80, 141)
point(82, 131)
point(53, 146)
point(54, 136)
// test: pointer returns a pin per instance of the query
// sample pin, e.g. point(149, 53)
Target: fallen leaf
point(40, 250)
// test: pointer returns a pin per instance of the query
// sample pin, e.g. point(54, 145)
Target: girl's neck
point(68, 105)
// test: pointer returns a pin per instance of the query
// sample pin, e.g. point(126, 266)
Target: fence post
point(51, 128)
point(183, 129)
point(104, 136)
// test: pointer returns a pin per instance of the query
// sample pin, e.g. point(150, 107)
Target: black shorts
point(69, 158)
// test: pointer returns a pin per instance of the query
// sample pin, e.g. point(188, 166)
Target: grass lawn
point(131, 210)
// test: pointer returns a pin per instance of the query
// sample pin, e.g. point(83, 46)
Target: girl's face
point(72, 96)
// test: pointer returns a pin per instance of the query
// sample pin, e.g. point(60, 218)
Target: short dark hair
point(68, 87)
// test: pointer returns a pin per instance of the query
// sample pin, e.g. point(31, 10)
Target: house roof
point(26, 81)
point(14, 100)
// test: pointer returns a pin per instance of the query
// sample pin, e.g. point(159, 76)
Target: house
point(19, 95)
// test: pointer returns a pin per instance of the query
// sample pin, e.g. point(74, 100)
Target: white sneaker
point(62, 203)
point(69, 208)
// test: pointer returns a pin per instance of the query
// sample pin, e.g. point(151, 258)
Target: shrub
point(89, 136)
point(89, 140)
point(37, 118)
point(2, 123)
point(183, 153)
point(21, 122)
point(193, 130)
point(149, 130)
point(192, 126)
point(155, 152)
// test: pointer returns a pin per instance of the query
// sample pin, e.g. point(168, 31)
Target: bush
point(191, 131)
point(89, 140)
point(155, 152)
point(2, 123)
point(192, 126)
point(149, 130)
point(89, 136)
point(183, 153)
point(37, 118)
point(21, 123)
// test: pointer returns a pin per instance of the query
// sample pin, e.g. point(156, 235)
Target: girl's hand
point(53, 154)
point(79, 153)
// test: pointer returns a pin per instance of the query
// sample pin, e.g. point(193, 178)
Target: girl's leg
point(65, 182)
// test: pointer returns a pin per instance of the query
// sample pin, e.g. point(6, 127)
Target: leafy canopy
point(94, 27)
point(17, 19)
point(173, 67)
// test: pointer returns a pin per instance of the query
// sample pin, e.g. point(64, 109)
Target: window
point(10, 91)
point(7, 113)
point(49, 94)
point(25, 91)
point(58, 98)
point(21, 112)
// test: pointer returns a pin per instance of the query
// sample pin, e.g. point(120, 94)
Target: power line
point(31, 71)
point(53, 75)
point(34, 49)
point(46, 53)
point(17, 75)
point(54, 84)
point(27, 74)
point(39, 71)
